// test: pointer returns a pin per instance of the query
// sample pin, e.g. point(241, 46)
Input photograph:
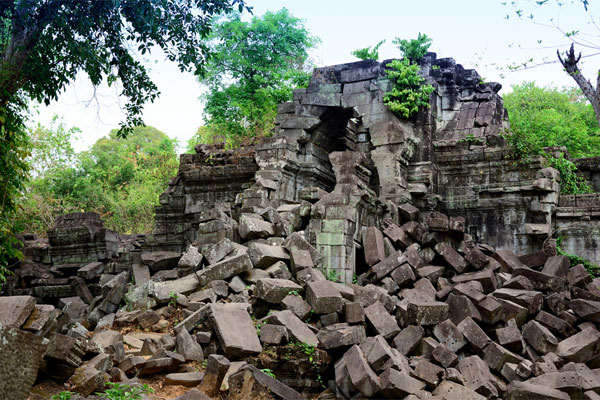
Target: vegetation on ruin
point(409, 93)
point(367, 53)
point(255, 66)
point(592, 269)
point(120, 178)
point(46, 44)
point(549, 117)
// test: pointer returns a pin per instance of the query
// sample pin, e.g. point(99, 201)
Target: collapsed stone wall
point(344, 191)
point(451, 157)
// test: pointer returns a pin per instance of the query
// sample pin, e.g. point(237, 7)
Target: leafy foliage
point(119, 178)
point(414, 49)
point(368, 54)
point(46, 43)
point(255, 66)
point(549, 117)
point(118, 391)
point(546, 116)
point(408, 93)
point(592, 269)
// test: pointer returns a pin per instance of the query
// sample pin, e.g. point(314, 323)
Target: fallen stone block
point(275, 290)
point(188, 379)
point(526, 391)
point(251, 383)
point(235, 330)
point(341, 335)
point(161, 260)
point(477, 376)
point(426, 312)
point(373, 246)
point(360, 373)
point(163, 292)
point(218, 251)
point(264, 255)
point(254, 227)
point(15, 310)
point(451, 257)
point(190, 259)
point(86, 380)
point(539, 337)
point(274, 334)
point(298, 330)
point(224, 269)
point(474, 334)
point(297, 305)
point(323, 297)
point(581, 347)
point(91, 270)
point(381, 321)
point(20, 357)
point(188, 347)
point(407, 340)
point(396, 384)
point(448, 334)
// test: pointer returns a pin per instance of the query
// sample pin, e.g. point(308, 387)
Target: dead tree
point(591, 93)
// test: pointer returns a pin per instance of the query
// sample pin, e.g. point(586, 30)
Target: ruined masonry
point(339, 147)
point(350, 255)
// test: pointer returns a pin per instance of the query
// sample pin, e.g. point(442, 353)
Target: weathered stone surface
point(396, 385)
point(275, 290)
point(453, 391)
point(216, 368)
point(15, 310)
point(235, 330)
point(323, 297)
point(473, 333)
point(526, 391)
point(298, 330)
point(448, 334)
point(341, 335)
point(361, 374)
point(184, 378)
point(297, 305)
point(253, 227)
point(263, 255)
point(188, 347)
point(373, 245)
point(161, 260)
point(224, 269)
point(191, 258)
point(20, 356)
point(383, 323)
point(580, 347)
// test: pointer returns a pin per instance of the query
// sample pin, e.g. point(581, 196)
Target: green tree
point(546, 117)
point(120, 178)
point(256, 65)
point(46, 43)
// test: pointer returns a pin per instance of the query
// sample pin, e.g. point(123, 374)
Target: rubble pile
point(434, 314)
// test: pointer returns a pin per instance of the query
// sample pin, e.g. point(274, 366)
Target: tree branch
point(570, 64)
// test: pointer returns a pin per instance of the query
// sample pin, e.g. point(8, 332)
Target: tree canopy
point(547, 117)
point(255, 65)
point(120, 178)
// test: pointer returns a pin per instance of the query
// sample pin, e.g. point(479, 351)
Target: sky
point(476, 33)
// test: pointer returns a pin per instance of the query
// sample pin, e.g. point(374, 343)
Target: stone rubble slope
point(434, 316)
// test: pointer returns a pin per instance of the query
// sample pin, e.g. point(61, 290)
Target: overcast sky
point(474, 32)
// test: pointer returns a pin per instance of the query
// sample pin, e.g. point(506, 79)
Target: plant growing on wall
point(368, 54)
point(408, 94)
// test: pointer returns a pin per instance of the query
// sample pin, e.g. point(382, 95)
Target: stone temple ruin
point(352, 254)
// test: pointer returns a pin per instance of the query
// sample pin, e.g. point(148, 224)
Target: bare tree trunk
point(591, 93)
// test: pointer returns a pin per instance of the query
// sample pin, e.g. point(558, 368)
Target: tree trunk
point(591, 93)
